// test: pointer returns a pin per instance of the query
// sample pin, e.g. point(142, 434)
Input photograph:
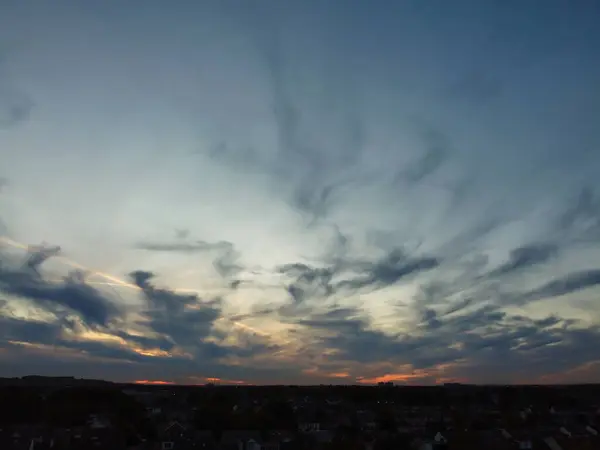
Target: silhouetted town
point(39, 413)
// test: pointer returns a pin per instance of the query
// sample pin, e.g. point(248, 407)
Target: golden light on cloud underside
point(155, 353)
point(45, 349)
point(29, 344)
point(113, 281)
point(287, 347)
point(95, 336)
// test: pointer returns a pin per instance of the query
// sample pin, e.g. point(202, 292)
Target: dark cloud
point(15, 105)
point(315, 201)
point(18, 331)
point(301, 156)
point(308, 282)
point(71, 293)
point(582, 218)
point(527, 256)
point(436, 151)
point(146, 342)
point(392, 268)
point(256, 311)
point(170, 316)
point(163, 300)
point(473, 284)
point(186, 321)
point(465, 241)
point(318, 144)
point(339, 248)
point(573, 282)
point(38, 254)
point(175, 320)
point(355, 340)
point(341, 273)
point(183, 247)
point(429, 319)
point(18, 360)
point(501, 346)
point(226, 263)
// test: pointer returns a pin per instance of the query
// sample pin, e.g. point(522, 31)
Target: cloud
point(14, 329)
point(186, 321)
point(527, 256)
point(302, 135)
point(499, 346)
point(343, 274)
point(317, 148)
point(226, 263)
point(161, 299)
point(459, 339)
point(183, 247)
point(572, 282)
point(146, 342)
point(15, 105)
point(71, 293)
point(582, 218)
point(437, 150)
point(61, 337)
point(39, 254)
point(353, 339)
point(173, 323)
point(392, 268)
point(308, 282)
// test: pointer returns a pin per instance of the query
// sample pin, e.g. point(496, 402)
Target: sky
point(300, 192)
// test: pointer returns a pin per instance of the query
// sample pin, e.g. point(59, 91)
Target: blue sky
point(300, 192)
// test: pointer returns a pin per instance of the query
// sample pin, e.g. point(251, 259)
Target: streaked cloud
point(324, 192)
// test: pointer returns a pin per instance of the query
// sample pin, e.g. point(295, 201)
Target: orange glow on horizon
point(154, 382)
point(339, 375)
point(413, 376)
point(212, 380)
point(193, 381)
point(314, 371)
point(217, 380)
point(393, 377)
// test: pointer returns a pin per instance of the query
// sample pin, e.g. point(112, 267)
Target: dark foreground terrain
point(38, 413)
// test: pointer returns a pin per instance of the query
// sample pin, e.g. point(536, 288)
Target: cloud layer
point(313, 194)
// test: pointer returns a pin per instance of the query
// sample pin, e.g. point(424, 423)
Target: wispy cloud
point(71, 293)
point(15, 105)
point(309, 193)
point(527, 256)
